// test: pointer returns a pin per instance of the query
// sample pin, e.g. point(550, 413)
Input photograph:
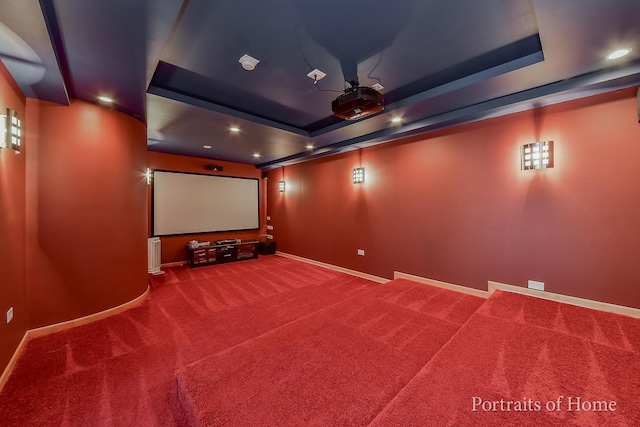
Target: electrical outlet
point(9, 314)
point(269, 227)
point(268, 218)
point(538, 286)
point(361, 252)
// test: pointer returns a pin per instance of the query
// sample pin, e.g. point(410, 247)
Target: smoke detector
point(248, 62)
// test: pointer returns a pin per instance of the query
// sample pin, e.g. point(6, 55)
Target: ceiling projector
point(357, 102)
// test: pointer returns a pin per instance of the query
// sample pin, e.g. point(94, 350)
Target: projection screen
point(186, 203)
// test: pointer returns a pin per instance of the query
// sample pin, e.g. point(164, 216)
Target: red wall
point(86, 210)
point(12, 228)
point(455, 206)
point(173, 247)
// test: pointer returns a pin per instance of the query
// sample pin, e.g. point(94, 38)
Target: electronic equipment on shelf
point(230, 250)
point(228, 242)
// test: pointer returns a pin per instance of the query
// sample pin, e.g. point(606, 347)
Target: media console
point(217, 254)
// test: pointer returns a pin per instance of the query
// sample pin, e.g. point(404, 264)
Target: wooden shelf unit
point(218, 254)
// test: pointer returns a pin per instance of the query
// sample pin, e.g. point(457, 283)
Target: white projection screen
point(188, 203)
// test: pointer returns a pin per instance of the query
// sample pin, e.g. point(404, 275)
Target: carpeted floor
point(121, 370)
point(279, 342)
point(528, 362)
point(339, 366)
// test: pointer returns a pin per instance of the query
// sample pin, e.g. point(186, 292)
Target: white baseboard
point(12, 362)
point(444, 285)
point(173, 264)
point(582, 302)
point(336, 268)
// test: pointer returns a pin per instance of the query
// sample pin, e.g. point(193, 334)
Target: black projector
point(357, 102)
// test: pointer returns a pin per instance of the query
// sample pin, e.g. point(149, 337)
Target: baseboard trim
point(46, 330)
point(582, 302)
point(12, 362)
point(57, 327)
point(335, 268)
point(173, 264)
point(444, 285)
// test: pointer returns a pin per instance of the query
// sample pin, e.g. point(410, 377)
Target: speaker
point(214, 168)
point(267, 248)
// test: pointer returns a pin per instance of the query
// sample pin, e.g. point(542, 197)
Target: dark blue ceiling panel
point(174, 64)
point(28, 54)
point(344, 40)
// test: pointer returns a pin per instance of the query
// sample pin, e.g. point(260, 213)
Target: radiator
point(153, 251)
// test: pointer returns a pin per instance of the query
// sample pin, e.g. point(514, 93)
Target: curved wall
point(86, 210)
point(12, 228)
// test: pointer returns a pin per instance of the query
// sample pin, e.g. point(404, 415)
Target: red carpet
point(339, 366)
point(528, 350)
point(121, 370)
point(279, 342)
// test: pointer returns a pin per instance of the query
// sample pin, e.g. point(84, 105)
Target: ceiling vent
point(248, 62)
point(357, 102)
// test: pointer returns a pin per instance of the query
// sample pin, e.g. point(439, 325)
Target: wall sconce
point(148, 174)
point(538, 155)
point(3, 131)
point(358, 176)
point(281, 186)
point(12, 131)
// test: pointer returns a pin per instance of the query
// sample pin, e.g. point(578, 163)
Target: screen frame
point(153, 233)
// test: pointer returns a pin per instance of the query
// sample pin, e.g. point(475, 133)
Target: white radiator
point(153, 259)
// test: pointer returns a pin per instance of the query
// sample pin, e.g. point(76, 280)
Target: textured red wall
point(455, 206)
point(86, 210)
point(12, 227)
point(173, 247)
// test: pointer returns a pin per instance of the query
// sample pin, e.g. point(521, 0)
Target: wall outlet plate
point(269, 227)
point(538, 286)
point(361, 252)
point(268, 218)
point(9, 314)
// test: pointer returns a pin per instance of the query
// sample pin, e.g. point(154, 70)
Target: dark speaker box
point(267, 248)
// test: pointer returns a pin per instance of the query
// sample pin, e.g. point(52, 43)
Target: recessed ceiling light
point(396, 120)
point(234, 129)
point(256, 155)
point(619, 53)
point(206, 147)
point(105, 99)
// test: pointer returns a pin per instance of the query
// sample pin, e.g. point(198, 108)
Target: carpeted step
point(526, 361)
point(339, 366)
